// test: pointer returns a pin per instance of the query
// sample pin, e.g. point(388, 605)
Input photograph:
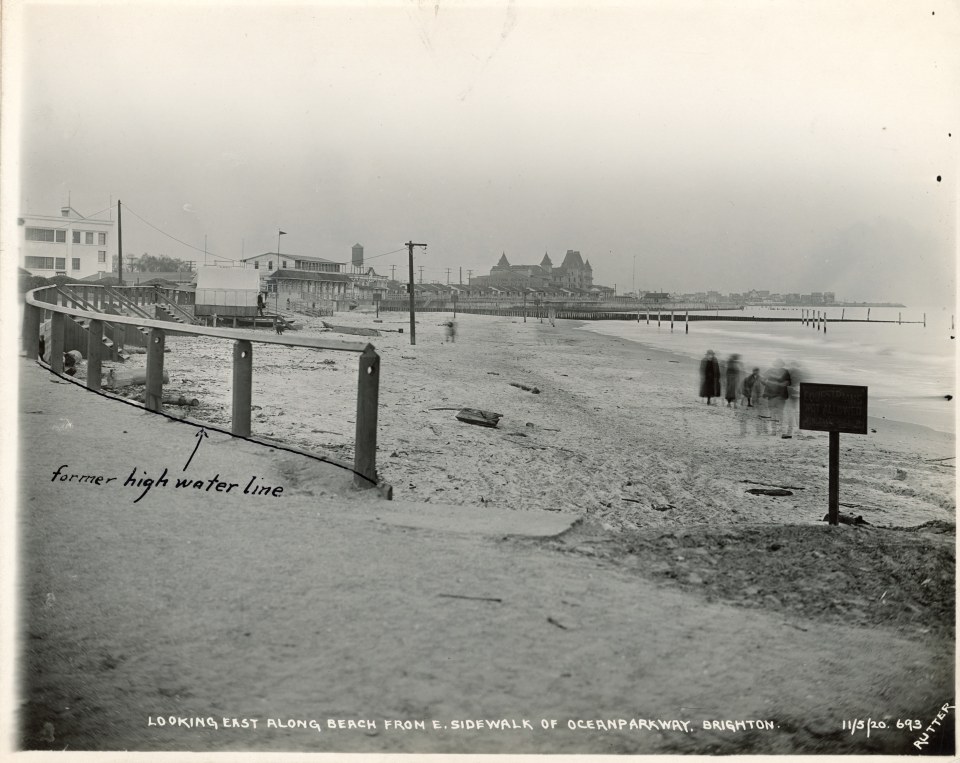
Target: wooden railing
point(49, 299)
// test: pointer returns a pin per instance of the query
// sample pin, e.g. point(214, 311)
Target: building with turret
point(573, 274)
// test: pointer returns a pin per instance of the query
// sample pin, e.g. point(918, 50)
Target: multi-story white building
point(70, 244)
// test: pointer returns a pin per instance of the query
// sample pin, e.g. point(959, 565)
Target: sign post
point(833, 408)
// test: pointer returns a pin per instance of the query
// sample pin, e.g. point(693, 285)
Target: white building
point(270, 261)
point(70, 244)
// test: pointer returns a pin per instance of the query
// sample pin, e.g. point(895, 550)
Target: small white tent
point(227, 290)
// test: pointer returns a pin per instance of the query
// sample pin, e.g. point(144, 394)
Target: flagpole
point(276, 286)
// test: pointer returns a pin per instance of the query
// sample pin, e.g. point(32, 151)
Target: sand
point(674, 594)
point(615, 428)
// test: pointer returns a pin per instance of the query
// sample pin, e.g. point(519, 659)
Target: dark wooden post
point(834, 478)
point(32, 317)
point(242, 386)
point(55, 349)
point(368, 395)
point(94, 353)
point(154, 394)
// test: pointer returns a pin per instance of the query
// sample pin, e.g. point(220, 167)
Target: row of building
point(86, 248)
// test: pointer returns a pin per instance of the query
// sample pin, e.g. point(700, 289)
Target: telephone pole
point(448, 276)
point(413, 315)
point(119, 245)
point(393, 272)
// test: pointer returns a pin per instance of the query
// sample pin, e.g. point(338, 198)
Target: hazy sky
point(790, 146)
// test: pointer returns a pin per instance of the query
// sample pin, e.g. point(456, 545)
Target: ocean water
point(908, 368)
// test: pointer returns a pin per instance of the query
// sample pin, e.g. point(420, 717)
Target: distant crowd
point(771, 397)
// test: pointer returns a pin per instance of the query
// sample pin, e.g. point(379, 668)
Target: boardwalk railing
point(62, 306)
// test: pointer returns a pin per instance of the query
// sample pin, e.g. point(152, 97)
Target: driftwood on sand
point(481, 418)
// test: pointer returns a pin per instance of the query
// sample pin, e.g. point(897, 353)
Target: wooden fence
point(62, 308)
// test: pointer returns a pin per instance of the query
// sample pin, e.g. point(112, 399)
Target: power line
point(179, 241)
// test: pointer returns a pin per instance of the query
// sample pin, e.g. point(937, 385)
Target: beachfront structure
point(226, 291)
point(573, 273)
point(365, 282)
point(319, 288)
point(270, 261)
point(69, 244)
point(315, 279)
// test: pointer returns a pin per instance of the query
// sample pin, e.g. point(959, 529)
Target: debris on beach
point(181, 401)
point(355, 330)
point(525, 387)
point(481, 418)
point(848, 519)
point(775, 491)
point(127, 378)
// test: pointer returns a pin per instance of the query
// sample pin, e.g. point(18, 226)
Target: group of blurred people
point(771, 397)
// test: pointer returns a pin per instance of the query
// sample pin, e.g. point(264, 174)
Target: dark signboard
point(833, 408)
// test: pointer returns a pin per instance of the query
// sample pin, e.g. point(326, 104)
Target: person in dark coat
point(709, 376)
point(749, 393)
point(733, 374)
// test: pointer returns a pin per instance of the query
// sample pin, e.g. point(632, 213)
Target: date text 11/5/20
point(868, 725)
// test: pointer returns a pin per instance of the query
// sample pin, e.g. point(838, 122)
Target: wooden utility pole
point(413, 314)
point(119, 245)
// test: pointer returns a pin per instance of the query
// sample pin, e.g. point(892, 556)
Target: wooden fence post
point(94, 353)
point(368, 395)
point(154, 394)
point(242, 386)
point(55, 349)
point(31, 330)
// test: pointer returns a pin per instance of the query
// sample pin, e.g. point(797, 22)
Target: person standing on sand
point(775, 392)
point(260, 305)
point(791, 409)
point(709, 376)
point(748, 384)
point(732, 377)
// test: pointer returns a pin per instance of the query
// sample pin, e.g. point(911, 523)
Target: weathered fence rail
point(63, 306)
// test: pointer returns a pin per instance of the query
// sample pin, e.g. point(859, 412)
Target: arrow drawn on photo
point(200, 435)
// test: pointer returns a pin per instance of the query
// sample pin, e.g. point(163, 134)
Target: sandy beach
point(614, 430)
point(674, 593)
